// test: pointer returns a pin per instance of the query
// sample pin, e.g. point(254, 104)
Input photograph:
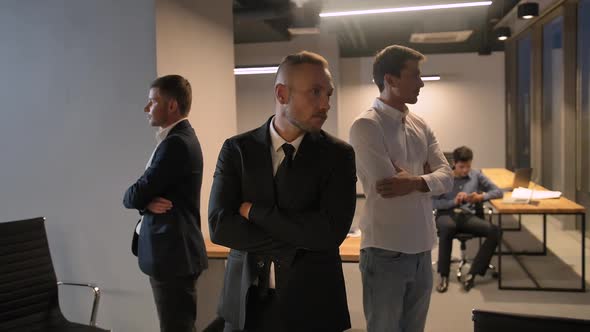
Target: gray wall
point(74, 81)
point(466, 107)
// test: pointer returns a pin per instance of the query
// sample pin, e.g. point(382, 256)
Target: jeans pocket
point(389, 255)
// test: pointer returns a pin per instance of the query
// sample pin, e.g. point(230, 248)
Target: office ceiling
point(268, 21)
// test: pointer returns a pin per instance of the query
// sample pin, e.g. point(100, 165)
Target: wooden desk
point(503, 178)
point(560, 206)
point(349, 250)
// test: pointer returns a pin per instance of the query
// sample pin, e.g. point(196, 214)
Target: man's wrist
point(249, 216)
point(420, 184)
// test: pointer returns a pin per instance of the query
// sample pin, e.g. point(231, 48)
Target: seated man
point(456, 213)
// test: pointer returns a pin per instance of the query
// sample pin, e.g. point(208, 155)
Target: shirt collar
point(468, 176)
point(162, 133)
point(277, 141)
point(392, 112)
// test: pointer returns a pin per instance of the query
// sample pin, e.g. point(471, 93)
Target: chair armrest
point(96, 301)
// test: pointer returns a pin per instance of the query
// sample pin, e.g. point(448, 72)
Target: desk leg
point(583, 252)
point(542, 252)
point(544, 234)
point(500, 251)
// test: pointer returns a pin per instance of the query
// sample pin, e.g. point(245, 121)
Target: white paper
point(525, 193)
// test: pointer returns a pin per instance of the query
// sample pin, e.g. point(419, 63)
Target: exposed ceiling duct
point(440, 37)
point(435, 31)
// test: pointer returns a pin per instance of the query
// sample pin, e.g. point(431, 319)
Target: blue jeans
point(396, 289)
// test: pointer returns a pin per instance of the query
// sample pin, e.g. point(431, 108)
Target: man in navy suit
point(283, 199)
point(167, 239)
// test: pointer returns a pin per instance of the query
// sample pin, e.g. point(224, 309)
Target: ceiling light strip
point(256, 70)
point(406, 9)
point(273, 70)
point(431, 78)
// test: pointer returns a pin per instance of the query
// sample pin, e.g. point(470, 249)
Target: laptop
point(522, 177)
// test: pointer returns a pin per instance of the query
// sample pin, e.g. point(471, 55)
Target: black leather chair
point(28, 285)
point(488, 321)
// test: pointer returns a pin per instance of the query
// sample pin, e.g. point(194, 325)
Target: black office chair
point(488, 321)
point(464, 260)
point(28, 285)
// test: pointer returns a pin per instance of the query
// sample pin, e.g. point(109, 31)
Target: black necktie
point(288, 160)
point(282, 175)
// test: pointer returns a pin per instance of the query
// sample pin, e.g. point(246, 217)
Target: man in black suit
point(283, 199)
point(168, 240)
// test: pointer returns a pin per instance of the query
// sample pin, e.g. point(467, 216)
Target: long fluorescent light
point(431, 78)
point(256, 70)
point(273, 69)
point(406, 9)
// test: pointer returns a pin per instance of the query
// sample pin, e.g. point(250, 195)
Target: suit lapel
point(263, 172)
point(309, 150)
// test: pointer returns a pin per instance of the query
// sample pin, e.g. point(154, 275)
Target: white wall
point(255, 93)
point(73, 136)
point(466, 107)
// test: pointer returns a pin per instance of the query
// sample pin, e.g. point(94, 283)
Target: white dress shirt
point(161, 134)
point(277, 152)
point(381, 137)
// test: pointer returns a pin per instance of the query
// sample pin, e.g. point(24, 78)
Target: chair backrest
point(449, 156)
point(487, 321)
point(28, 285)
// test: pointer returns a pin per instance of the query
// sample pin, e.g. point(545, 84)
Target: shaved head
point(290, 62)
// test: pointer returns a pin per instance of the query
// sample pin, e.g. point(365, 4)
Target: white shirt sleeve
point(440, 181)
point(372, 158)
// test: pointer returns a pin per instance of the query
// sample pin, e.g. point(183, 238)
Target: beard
point(308, 128)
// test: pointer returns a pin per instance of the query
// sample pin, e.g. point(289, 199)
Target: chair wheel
point(459, 275)
point(495, 275)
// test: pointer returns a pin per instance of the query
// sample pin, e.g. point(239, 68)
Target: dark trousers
point(262, 313)
point(450, 224)
point(176, 303)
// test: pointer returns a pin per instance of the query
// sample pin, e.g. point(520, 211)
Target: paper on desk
point(525, 193)
point(354, 232)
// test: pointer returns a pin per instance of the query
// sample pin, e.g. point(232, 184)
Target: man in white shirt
point(400, 165)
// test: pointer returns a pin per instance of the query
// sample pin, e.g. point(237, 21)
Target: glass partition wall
point(548, 103)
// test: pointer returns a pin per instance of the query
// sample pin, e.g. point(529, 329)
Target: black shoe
point(443, 285)
point(469, 282)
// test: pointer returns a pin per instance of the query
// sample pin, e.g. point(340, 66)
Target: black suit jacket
point(171, 244)
point(305, 227)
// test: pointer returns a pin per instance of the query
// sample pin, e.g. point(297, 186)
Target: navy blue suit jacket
point(171, 244)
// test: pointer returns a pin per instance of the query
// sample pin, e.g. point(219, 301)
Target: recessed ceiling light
point(502, 33)
point(527, 10)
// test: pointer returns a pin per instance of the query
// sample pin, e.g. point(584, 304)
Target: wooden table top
point(503, 178)
point(349, 250)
